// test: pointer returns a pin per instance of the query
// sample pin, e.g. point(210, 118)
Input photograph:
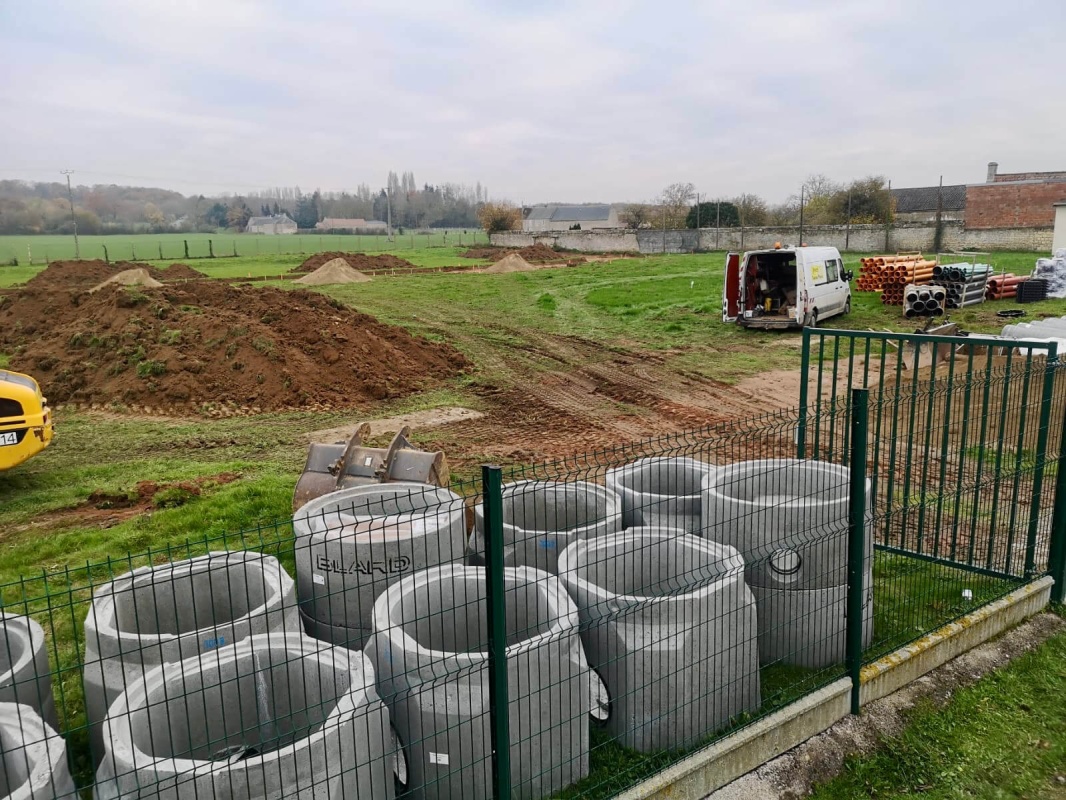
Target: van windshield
point(770, 283)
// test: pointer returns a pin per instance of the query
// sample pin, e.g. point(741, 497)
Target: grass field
point(1003, 737)
point(171, 246)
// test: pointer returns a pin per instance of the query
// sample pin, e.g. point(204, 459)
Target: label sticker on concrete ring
point(438, 758)
point(319, 579)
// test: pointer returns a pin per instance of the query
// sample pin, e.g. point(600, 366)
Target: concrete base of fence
point(909, 663)
point(726, 760)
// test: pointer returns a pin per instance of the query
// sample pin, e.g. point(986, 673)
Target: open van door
point(731, 290)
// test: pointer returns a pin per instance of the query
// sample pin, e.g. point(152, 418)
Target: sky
point(605, 101)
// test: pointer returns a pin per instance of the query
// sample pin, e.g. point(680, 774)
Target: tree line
point(44, 208)
point(822, 201)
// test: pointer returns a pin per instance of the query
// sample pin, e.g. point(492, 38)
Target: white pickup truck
point(785, 287)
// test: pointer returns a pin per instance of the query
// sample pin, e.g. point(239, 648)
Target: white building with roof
point(272, 226)
point(553, 217)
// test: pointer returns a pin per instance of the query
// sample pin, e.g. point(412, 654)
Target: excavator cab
point(26, 425)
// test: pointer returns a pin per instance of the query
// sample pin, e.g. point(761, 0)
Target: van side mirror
point(849, 276)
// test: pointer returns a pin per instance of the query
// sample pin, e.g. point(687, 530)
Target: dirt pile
point(357, 261)
point(333, 272)
point(130, 277)
point(83, 275)
point(210, 347)
point(510, 263)
point(535, 253)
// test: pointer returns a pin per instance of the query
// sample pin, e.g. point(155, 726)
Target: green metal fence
point(561, 629)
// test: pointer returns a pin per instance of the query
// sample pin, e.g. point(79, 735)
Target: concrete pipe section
point(541, 518)
point(429, 651)
point(660, 492)
point(276, 715)
point(33, 757)
point(166, 614)
point(353, 543)
point(25, 676)
point(789, 520)
point(670, 625)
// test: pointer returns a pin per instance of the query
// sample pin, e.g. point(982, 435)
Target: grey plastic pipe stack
point(541, 518)
point(663, 492)
point(25, 676)
point(166, 614)
point(670, 625)
point(33, 757)
point(275, 716)
point(789, 519)
point(353, 543)
point(429, 651)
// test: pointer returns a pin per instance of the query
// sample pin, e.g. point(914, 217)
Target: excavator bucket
point(342, 465)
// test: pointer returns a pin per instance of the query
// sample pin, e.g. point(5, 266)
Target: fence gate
point(960, 432)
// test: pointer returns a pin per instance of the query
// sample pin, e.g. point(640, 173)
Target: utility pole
point(717, 221)
point(800, 242)
point(388, 206)
point(697, 210)
point(73, 219)
point(938, 231)
point(847, 230)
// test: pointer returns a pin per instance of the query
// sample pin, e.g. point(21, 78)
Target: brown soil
point(357, 261)
point(510, 263)
point(537, 252)
point(106, 509)
point(83, 275)
point(331, 273)
point(209, 347)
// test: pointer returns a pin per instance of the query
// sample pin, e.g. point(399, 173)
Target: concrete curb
point(909, 663)
point(719, 764)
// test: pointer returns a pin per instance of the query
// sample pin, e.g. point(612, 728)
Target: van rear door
point(731, 290)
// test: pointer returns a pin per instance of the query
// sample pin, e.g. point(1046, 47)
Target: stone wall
point(860, 238)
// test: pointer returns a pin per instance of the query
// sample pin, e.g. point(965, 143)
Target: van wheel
point(847, 306)
point(812, 320)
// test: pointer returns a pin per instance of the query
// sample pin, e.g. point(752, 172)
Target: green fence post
point(499, 722)
point(856, 539)
point(1041, 454)
point(805, 364)
point(1057, 549)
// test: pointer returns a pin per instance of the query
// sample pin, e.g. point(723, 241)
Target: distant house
point(919, 204)
point(347, 224)
point(271, 226)
point(562, 218)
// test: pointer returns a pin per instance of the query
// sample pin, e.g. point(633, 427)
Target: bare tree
point(751, 208)
point(496, 217)
point(674, 203)
point(637, 215)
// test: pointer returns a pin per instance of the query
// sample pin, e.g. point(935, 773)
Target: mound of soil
point(510, 263)
point(333, 272)
point(177, 272)
point(83, 275)
point(215, 348)
point(130, 277)
point(537, 252)
point(357, 261)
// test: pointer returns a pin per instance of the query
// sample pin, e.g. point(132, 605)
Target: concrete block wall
point(861, 238)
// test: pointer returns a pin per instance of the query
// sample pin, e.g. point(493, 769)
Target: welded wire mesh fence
point(562, 629)
point(30, 250)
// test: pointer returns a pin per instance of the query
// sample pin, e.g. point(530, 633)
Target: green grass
point(171, 246)
point(1003, 737)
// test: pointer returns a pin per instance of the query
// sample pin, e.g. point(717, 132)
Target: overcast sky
point(544, 100)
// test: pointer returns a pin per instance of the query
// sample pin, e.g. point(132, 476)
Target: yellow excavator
point(26, 425)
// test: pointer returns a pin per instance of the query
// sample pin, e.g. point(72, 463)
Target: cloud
point(577, 101)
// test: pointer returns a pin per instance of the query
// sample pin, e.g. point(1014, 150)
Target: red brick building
point(1014, 200)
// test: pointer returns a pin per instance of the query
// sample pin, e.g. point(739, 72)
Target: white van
point(786, 287)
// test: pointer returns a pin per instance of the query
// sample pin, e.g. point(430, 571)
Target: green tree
point(871, 201)
point(711, 213)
